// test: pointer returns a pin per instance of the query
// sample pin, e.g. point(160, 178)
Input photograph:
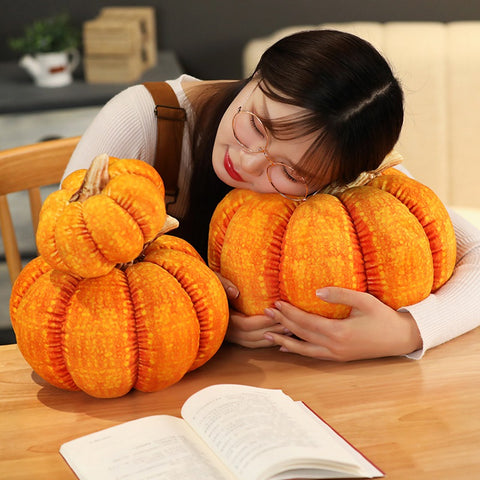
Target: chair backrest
point(29, 168)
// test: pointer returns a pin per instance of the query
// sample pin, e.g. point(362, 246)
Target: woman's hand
point(248, 331)
point(372, 330)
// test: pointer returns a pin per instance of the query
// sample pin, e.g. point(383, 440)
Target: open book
point(232, 432)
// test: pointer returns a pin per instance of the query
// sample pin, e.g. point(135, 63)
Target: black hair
point(352, 100)
point(206, 189)
point(353, 105)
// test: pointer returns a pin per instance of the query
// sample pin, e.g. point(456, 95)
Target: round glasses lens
point(287, 181)
point(250, 131)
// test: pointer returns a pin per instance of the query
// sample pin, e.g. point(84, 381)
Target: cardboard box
point(112, 69)
point(119, 44)
point(112, 37)
point(147, 21)
point(113, 51)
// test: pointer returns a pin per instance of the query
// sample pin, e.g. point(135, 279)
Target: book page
point(253, 428)
point(152, 447)
point(368, 468)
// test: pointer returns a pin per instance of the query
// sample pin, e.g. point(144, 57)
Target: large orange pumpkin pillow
point(143, 325)
point(391, 237)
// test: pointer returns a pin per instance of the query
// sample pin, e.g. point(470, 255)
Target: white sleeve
point(455, 307)
point(125, 127)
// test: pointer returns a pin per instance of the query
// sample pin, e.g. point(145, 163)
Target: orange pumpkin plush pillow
point(392, 238)
point(143, 325)
point(101, 217)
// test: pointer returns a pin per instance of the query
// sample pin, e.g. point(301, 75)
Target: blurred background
point(208, 35)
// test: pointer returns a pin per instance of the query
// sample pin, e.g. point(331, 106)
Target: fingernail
point(268, 336)
point(232, 293)
point(270, 312)
point(322, 293)
point(278, 305)
point(283, 349)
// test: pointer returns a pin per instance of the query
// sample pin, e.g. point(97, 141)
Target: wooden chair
point(28, 168)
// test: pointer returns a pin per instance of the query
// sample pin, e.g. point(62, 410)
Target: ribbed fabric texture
point(125, 128)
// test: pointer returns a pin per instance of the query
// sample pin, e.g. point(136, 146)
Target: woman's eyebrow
point(262, 110)
point(264, 113)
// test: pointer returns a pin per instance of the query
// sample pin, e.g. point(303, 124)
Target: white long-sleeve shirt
point(127, 128)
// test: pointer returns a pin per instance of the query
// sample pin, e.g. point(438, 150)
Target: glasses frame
point(259, 149)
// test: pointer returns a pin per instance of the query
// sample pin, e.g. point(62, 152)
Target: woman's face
point(241, 169)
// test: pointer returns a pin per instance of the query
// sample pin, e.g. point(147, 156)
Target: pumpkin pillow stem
point(171, 223)
point(95, 179)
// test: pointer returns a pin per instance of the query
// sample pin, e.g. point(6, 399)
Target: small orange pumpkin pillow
point(101, 217)
point(392, 238)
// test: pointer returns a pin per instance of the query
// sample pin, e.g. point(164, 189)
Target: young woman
point(322, 106)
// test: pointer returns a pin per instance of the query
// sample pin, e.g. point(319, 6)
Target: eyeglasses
point(252, 136)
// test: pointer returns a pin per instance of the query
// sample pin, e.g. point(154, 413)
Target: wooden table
point(413, 419)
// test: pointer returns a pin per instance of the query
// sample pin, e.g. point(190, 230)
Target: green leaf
point(53, 34)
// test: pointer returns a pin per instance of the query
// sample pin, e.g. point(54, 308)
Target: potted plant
point(49, 50)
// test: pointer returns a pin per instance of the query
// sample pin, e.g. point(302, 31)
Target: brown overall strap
point(170, 121)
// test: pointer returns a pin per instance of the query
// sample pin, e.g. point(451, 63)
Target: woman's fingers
point(295, 345)
point(249, 331)
point(345, 296)
point(230, 289)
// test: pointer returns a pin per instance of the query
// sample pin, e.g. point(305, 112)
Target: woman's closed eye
point(287, 173)
point(259, 130)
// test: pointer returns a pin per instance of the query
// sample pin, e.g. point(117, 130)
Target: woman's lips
point(230, 169)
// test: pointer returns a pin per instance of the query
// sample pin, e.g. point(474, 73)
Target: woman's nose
point(253, 163)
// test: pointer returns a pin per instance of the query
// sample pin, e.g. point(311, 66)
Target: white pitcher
point(51, 69)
